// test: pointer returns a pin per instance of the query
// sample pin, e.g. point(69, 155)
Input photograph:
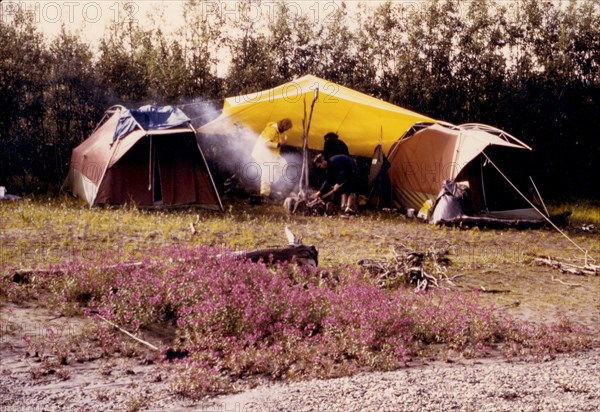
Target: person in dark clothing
point(334, 146)
point(341, 178)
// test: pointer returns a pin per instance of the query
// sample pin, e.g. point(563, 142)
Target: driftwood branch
point(484, 290)
point(301, 254)
point(566, 267)
point(143, 342)
point(571, 285)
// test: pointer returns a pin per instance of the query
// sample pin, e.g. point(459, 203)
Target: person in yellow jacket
point(266, 153)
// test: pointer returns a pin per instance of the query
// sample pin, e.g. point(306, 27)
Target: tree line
point(531, 68)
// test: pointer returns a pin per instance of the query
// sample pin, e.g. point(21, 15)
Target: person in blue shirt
point(341, 178)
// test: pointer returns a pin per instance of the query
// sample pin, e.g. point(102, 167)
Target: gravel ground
point(568, 383)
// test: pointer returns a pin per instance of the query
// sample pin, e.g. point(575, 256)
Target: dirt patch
point(32, 378)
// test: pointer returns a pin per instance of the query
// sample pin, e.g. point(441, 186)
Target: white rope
point(585, 251)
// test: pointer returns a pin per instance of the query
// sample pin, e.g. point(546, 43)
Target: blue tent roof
point(149, 118)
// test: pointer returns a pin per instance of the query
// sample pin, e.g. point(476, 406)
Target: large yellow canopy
point(361, 121)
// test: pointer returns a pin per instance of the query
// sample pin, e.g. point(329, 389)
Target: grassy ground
point(37, 232)
point(494, 266)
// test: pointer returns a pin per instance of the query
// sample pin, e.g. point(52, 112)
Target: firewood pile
point(314, 207)
point(421, 270)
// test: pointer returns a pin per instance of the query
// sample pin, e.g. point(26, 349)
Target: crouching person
point(341, 178)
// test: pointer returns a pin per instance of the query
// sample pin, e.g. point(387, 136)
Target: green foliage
point(73, 99)
point(252, 66)
point(22, 83)
point(529, 67)
point(338, 55)
point(201, 37)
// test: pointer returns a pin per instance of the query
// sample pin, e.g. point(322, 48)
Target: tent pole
point(488, 128)
point(301, 188)
point(112, 155)
point(483, 185)
point(150, 162)
point(539, 196)
point(304, 176)
point(585, 251)
point(212, 181)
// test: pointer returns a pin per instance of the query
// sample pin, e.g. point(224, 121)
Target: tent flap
point(149, 118)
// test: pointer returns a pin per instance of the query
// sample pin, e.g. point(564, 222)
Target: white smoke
point(230, 157)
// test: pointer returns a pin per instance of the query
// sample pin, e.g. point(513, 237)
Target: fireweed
point(233, 319)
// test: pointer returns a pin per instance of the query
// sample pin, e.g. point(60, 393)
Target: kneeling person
point(341, 178)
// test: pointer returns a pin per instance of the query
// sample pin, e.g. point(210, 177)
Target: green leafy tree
point(165, 65)
point(122, 65)
point(23, 60)
point(74, 101)
point(381, 43)
point(305, 52)
point(252, 66)
point(281, 41)
point(338, 52)
point(554, 84)
point(426, 64)
point(202, 38)
point(480, 63)
point(293, 42)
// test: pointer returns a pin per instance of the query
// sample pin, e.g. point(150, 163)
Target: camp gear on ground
point(452, 202)
point(425, 210)
point(351, 204)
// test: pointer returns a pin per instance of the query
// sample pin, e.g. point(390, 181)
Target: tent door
point(484, 206)
point(157, 196)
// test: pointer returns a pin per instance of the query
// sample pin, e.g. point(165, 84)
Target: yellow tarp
point(361, 121)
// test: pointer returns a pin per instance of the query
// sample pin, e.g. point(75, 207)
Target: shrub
point(234, 319)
